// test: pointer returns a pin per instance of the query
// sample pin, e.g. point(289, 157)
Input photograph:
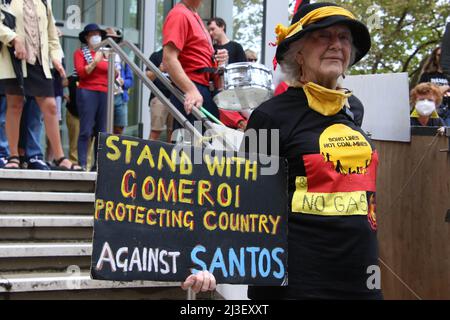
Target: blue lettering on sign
point(239, 263)
point(263, 262)
point(195, 260)
point(219, 263)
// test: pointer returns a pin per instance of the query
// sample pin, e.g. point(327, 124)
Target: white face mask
point(95, 40)
point(425, 107)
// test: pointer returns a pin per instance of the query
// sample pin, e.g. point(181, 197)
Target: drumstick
point(211, 116)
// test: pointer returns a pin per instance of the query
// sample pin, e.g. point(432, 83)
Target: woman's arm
point(6, 34)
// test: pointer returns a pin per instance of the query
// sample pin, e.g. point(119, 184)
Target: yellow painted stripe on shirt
point(328, 204)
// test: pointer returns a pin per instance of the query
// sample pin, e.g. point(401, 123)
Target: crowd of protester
point(30, 99)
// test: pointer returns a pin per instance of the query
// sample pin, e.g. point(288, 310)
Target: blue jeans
point(208, 104)
point(31, 129)
point(92, 108)
point(4, 147)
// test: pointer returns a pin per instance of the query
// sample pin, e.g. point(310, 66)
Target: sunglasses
point(252, 60)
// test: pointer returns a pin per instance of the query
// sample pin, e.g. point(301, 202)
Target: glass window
point(248, 21)
point(206, 10)
point(130, 13)
point(58, 10)
point(92, 11)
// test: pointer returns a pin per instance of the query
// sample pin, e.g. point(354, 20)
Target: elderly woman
point(37, 50)
point(332, 163)
point(425, 98)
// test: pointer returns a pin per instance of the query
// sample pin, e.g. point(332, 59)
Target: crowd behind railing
point(33, 91)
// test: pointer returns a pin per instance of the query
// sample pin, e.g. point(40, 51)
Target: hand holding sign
point(201, 282)
point(163, 213)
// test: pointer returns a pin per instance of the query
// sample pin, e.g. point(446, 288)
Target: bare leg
point(154, 135)
point(48, 109)
point(118, 130)
point(12, 126)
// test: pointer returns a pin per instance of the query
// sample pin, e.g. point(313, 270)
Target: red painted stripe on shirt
point(323, 178)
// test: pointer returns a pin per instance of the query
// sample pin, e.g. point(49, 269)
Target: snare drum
point(245, 86)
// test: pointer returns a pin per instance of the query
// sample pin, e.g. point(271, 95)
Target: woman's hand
point(59, 67)
point(98, 57)
point(19, 47)
point(203, 281)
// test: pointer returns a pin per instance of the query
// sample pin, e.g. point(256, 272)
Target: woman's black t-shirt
point(332, 164)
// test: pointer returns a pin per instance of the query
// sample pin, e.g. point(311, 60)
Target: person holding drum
point(190, 59)
point(333, 250)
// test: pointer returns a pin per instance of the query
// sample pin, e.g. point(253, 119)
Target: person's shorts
point(120, 112)
point(161, 117)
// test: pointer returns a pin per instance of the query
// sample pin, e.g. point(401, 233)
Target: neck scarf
point(326, 101)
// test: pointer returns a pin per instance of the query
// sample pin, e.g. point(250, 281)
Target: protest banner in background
point(160, 216)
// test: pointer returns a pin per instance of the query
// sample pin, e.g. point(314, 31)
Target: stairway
point(46, 226)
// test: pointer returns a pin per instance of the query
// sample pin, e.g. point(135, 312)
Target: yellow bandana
point(325, 101)
point(434, 115)
point(283, 32)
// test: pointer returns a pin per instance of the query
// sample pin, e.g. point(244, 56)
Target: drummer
point(190, 58)
point(217, 29)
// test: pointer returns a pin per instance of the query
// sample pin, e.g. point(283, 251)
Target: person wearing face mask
point(92, 70)
point(29, 49)
point(425, 98)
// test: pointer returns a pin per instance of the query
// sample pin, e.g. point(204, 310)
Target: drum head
point(242, 98)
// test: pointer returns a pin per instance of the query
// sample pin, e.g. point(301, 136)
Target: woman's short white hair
point(292, 69)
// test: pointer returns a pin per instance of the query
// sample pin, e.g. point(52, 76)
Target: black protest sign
point(160, 216)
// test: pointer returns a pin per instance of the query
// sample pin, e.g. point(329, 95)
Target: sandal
point(59, 167)
point(14, 161)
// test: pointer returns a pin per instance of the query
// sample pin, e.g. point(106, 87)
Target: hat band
point(312, 17)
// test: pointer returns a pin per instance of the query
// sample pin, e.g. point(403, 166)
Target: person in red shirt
point(190, 58)
point(92, 69)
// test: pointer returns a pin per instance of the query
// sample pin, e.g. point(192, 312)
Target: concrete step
point(45, 208)
point(46, 234)
point(18, 196)
point(41, 264)
point(48, 175)
point(45, 249)
point(49, 221)
point(47, 181)
point(73, 279)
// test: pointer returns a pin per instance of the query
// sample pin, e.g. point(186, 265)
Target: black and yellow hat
point(317, 16)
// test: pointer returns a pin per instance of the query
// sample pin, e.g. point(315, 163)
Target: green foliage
point(404, 32)
point(248, 23)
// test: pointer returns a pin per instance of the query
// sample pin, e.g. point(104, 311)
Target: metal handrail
point(116, 49)
point(168, 84)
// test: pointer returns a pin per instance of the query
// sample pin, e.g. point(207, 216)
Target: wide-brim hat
point(91, 28)
point(312, 17)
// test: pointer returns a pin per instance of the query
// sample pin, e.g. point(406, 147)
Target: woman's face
point(429, 96)
point(325, 54)
point(91, 34)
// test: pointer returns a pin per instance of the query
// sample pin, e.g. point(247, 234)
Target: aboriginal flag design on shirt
point(341, 179)
point(332, 168)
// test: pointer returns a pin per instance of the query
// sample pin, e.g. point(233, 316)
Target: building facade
point(250, 22)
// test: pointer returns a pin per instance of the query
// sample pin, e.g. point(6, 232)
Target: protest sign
point(163, 213)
